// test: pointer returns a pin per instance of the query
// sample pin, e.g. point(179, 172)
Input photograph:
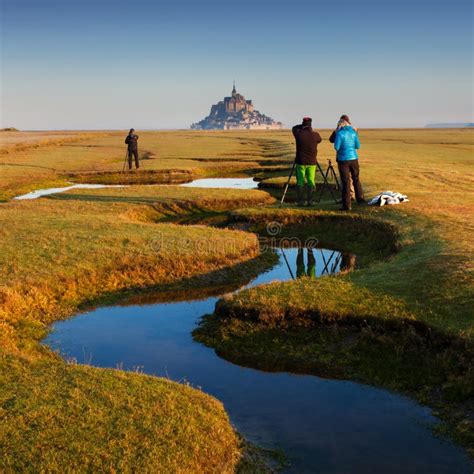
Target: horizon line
point(446, 125)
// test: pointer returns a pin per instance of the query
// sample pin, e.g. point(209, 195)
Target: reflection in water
point(301, 270)
point(348, 262)
point(323, 426)
point(331, 261)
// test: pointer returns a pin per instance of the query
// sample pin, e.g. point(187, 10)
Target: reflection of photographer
point(301, 271)
point(348, 262)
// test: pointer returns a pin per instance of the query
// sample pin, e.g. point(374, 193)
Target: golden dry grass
point(204, 154)
point(56, 254)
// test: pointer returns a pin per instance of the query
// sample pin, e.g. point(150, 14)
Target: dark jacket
point(132, 141)
point(306, 145)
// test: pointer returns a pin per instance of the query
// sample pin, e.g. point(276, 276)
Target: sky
point(114, 64)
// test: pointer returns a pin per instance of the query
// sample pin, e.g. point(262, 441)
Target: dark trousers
point(350, 170)
point(133, 152)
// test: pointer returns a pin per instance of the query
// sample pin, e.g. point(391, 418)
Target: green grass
point(65, 254)
point(32, 161)
point(371, 240)
point(167, 196)
point(380, 324)
point(75, 247)
point(57, 417)
point(402, 320)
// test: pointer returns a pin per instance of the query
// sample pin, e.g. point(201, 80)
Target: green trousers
point(301, 271)
point(305, 173)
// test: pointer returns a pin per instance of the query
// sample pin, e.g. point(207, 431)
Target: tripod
point(288, 182)
point(125, 161)
point(330, 172)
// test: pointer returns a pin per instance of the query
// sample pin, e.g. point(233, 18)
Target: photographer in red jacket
point(307, 141)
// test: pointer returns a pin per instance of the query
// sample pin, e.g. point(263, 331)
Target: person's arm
point(357, 142)
point(127, 140)
point(337, 142)
point(295, 129)
point(332, 138)
point(318, 137)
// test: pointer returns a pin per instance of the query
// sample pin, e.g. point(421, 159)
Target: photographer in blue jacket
point(346, 144)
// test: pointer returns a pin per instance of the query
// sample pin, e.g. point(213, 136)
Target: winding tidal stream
point(323, 426)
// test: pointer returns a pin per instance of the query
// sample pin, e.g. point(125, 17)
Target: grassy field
point(414, 307)
point(54, 161)
point(58, 417)
point(402, 320)
point(65, 253)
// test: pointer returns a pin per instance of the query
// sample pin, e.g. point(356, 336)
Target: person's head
point(131, 130)
point(344, 121)
point(307, 121)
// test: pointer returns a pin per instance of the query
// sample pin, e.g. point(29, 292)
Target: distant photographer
point(346, 144)
point(307, 141)
point(132, 142)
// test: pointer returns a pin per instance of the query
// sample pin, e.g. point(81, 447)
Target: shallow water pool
point(228, 183)
point(323, 426)
point(48, 191)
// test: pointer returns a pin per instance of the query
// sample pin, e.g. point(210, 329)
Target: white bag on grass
point(389, 198)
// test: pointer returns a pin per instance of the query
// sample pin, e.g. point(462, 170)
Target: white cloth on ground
point(388, 197)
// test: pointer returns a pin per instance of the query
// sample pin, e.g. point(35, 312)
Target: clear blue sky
point(84, 64)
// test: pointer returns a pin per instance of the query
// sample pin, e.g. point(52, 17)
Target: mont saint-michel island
point(235, 112)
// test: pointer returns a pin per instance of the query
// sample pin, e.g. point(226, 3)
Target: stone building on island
point(235, 112)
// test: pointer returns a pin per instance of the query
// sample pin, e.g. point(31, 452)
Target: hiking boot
point(299, 192)
point(344, 209)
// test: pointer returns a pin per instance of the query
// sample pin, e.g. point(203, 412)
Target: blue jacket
point(346, 144)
